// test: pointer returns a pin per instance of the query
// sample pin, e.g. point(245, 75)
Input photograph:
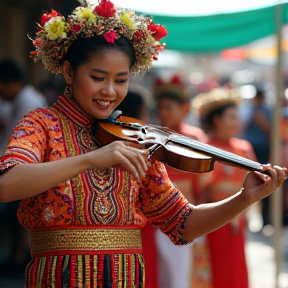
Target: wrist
point(245, 198)
point(87, 161)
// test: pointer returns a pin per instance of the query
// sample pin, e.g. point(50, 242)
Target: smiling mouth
point(103, 103)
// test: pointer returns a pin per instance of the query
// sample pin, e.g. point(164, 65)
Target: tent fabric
point(215, 33)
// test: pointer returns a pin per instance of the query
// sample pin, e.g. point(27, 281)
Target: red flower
point(47, 16)
point(37, 42)
point(159, 81)
point(176, 79)
point(33, 54)
point(139, 35)
point(75, 28)
point(110, 37)
point(157, 31)
point(105, 9)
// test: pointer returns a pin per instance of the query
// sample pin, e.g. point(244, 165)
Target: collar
point(68, 107)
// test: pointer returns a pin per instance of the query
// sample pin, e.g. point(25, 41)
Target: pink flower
point(37, 42)
point(110, 37)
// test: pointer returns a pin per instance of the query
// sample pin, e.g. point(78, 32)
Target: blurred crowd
point(242, 127)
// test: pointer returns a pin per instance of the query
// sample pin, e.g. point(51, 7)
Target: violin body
point(170, 153)
point(168, 146)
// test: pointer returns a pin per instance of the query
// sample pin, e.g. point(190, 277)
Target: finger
point(262, 176)
point(142, 158)
point(133, 155)
point(136, 159)
point(127, 164)
point(273, 177)
point(281, 174)
point(266, 167)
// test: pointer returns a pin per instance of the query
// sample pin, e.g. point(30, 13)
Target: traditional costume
point(85, 232)
point(174, 262)
point(227, 244)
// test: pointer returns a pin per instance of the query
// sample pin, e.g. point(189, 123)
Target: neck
point(220, 136)
point(176, 128)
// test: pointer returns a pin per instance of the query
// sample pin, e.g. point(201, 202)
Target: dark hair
point(207, 121)
point(82, 49)
point(259, 93)
point(172, 95)
point(131, 105)
point(10, 71)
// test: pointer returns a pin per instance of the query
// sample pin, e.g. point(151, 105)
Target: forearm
point(26, 180)
point(206, 218)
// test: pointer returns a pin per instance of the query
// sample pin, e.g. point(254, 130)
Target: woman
point(85, 204)
point(219, 117)
point(172, 100)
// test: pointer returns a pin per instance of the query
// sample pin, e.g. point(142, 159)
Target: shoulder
point(41, 116)
point(193, 132)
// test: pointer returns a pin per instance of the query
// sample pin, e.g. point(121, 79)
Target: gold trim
point(85, 240)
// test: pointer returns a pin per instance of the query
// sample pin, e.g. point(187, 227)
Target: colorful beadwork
point(97, 198)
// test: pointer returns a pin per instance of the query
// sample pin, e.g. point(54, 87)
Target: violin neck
point(219, 154)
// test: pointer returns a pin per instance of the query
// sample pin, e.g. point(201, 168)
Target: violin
point(169, 147)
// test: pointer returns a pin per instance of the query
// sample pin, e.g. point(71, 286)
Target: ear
point(67, 72)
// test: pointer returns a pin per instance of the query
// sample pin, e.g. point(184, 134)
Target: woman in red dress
point(218, 113)
point(172, 99)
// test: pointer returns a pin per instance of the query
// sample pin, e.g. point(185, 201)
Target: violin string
point(217, 152)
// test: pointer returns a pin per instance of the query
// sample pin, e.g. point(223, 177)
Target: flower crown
point(55, 33)
point(204, 103)
point(175, 86)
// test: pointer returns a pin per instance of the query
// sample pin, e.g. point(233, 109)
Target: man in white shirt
point(17, 97)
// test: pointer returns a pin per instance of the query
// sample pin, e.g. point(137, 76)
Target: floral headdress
point(204, 103)
point(174, 88)
point(55, 33)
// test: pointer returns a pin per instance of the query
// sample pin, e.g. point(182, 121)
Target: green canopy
point(218, 32)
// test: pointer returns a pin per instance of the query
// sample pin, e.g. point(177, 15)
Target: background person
point(219, 116)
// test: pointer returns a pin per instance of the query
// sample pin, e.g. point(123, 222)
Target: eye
point(122, 80)
point(96, 78)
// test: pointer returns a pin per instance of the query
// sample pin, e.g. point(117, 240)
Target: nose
point(108, 89)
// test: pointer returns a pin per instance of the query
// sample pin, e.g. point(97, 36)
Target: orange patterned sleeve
point(163, 204)
point(27, 143)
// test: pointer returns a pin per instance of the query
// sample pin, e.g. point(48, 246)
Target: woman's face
point(227, 124)
point(101, 84)
point(171, 113)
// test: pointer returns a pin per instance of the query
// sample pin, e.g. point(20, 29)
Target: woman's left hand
point(258, 185)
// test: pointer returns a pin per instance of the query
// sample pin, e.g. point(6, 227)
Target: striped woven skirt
point(86, 271)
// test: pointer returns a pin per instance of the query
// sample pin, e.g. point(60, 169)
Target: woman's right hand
point(120, 153)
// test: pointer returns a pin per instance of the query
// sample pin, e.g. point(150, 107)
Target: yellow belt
point(84, 241)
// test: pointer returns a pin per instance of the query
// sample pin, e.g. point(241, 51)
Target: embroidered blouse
point(95, 198)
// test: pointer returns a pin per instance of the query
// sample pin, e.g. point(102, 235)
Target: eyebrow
point(105, 72)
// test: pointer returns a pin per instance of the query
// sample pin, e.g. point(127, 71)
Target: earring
point(68, 91)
